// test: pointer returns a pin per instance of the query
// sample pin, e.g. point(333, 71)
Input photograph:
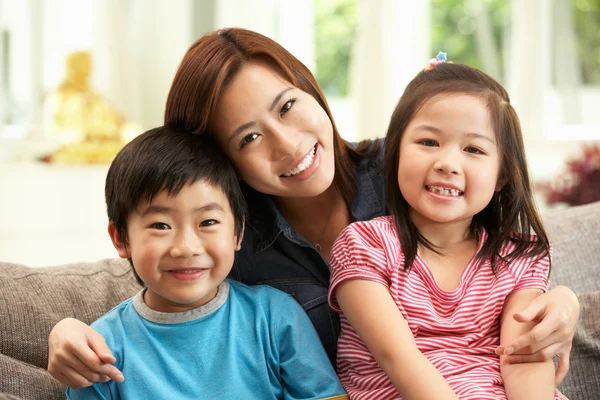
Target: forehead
point(193, 193)
point(251, 91)
point(455, 112)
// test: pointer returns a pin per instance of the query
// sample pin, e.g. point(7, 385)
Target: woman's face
point(278, 137)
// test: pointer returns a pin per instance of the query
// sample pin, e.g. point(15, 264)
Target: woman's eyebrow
point(278, 97)
point(247, 125)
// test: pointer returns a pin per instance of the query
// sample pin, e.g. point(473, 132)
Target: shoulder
point(258, 296)
point(114, 316)
point(368, 233)
point(372, 154)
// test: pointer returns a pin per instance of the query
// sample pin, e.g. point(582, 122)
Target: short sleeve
point(305, 368)
point(533, 273)
point(361, 252)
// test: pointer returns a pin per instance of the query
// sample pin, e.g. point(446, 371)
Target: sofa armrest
point(33, 300)
point(27, 381)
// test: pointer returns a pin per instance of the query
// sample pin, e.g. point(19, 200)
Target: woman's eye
point(287, 106)
point(209, 222)
point(248, 138)
point(473, 150)
point(161, 226)
point(428, 142)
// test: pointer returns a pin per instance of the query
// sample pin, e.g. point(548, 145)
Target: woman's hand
point(78, 355)
point(556, 313)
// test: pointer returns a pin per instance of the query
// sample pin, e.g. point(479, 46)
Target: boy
point(176, 212)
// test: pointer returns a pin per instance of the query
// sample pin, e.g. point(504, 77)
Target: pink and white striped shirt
point(458, 331)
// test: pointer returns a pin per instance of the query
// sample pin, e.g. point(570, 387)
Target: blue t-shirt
point(246, 343)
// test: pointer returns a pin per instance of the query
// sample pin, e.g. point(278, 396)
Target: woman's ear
point(238, 238)
point(500, 184)
point(119, 244)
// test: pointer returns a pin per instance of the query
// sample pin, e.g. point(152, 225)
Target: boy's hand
point(78, 355)
point(556, 314)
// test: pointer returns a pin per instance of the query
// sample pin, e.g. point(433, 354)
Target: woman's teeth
point(308, 160)
point(444, 191)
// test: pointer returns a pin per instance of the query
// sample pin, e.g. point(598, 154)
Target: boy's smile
point(182, 246)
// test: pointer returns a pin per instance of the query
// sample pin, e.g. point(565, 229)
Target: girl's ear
point(119, 244)
point(238, 238)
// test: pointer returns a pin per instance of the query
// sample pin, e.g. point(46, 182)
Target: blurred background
point(79, 78)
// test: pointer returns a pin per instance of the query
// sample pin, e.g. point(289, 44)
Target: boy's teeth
point(308, 160)
point(444, 191)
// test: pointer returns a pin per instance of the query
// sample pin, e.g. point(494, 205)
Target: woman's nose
point(285, 142)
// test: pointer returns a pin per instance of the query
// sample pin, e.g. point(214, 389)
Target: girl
point(427, 294)
point(304, 184)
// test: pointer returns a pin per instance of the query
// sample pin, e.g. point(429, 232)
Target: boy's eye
point(209, 222)
point(161, 226)
point(287, 106)
point(473, 150)
point(248, 138)
point(428, 142)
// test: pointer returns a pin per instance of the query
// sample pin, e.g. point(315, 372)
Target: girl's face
point(278, 137)
point(449, 160)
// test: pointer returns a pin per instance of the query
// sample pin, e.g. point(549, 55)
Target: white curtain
point(393, 44)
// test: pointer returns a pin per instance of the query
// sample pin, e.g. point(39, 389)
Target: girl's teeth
point(308, 160)
point(444, 191)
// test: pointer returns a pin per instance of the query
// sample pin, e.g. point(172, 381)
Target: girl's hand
point(556, 313)
point(78, 355)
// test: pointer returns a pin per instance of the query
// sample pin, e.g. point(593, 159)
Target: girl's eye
point(161, 226)
point(209, 222)
point(473, 150)
point(428, 142)
point(287, 106)
point(248, 138)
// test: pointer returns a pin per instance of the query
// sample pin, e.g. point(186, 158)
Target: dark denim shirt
point(274, 254)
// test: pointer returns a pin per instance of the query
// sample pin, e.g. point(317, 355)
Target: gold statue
point(89, 127)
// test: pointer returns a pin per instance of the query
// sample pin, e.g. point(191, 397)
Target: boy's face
point(182, 247)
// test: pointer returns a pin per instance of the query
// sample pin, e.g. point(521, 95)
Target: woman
point(303, 184)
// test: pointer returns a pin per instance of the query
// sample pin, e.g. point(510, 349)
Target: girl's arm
point(533, 380)
point(370, 309)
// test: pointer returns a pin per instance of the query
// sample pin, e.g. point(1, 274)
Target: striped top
point(458, 331)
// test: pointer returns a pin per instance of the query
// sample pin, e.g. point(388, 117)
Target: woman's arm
point(530, 381)
point(373, 314)
point(78, 355)
point(553, 316)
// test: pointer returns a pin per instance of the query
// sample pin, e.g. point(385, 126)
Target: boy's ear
point(119, 244)
point(238, 238)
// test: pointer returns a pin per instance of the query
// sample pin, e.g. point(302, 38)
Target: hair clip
point(440, 58)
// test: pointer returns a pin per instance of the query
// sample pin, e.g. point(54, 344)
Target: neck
point(444, 235)
point(316, 208)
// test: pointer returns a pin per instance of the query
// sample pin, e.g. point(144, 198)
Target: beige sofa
point(32, 300)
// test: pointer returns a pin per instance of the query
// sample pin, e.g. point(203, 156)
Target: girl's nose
point(447, 164)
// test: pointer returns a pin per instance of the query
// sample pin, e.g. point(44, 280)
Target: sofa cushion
point(575, 237)
point(583, 379)
point(34, 299)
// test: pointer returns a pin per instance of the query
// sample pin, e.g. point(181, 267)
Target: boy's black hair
point(167, 158)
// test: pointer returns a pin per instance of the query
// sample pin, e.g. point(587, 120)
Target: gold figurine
point(89, 127)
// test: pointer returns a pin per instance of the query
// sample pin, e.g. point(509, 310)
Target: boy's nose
point(185, 245)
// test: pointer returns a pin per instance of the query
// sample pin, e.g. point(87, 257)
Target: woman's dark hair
point(511, 215)
point(210, 65)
